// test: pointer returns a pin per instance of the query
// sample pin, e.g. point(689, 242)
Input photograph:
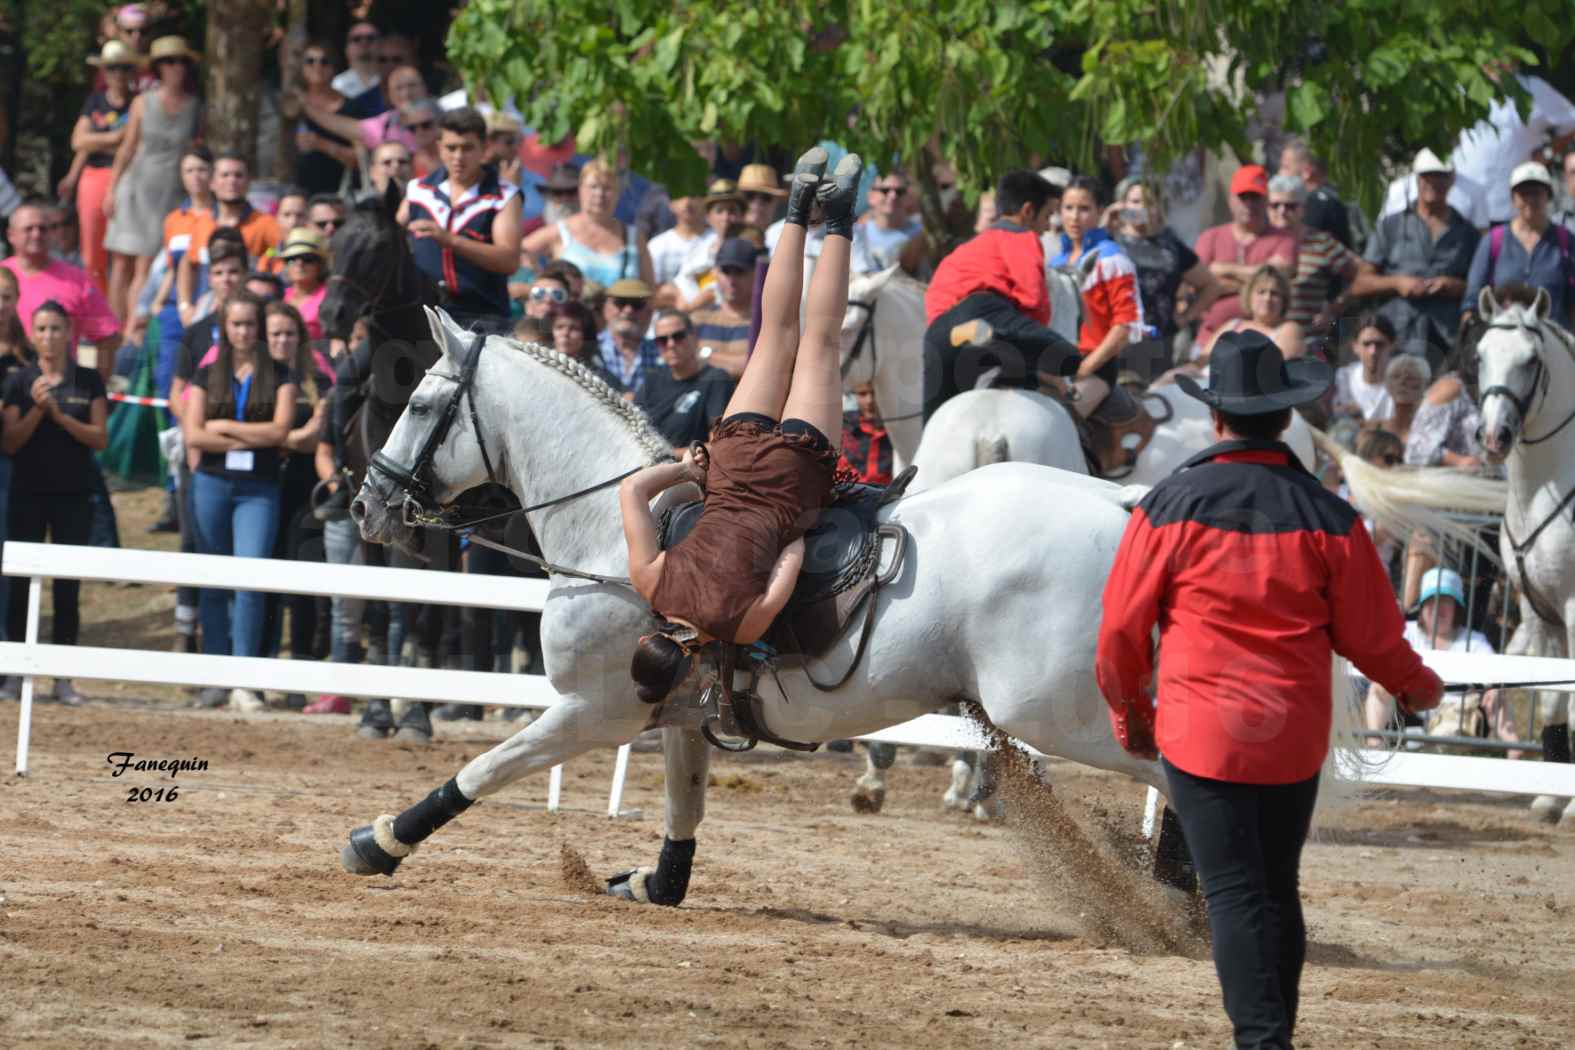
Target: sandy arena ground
point(223, 919)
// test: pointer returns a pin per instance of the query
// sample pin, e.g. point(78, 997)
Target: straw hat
point(304, 240)
point(760, 178)
point(723, 191)
point(168, 47)
point(497, 120)
point(115, 53)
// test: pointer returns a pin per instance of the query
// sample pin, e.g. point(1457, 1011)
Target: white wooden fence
point(29, 658)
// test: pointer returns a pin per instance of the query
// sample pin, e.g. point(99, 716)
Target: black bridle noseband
point(420, 505)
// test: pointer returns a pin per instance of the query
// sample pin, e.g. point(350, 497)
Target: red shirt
point(1255, 575)
point(1219, 244)
point(1006, 259)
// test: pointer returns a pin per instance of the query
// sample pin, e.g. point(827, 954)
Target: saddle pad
point(832, 549)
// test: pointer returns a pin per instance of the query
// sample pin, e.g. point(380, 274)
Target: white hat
point(1056, 176)
point(1531, 171)
point(1428, 163)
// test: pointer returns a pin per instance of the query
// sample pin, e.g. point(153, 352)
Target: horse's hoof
point(630, 886)
point(868, 801)
point(989, 810)
point(1546, 808)
point(953, 800)
point(363, 856)
point(413, 736)
point(1567, 821)
point(371, 732)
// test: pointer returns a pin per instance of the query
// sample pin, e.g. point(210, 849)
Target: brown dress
point(764, 489)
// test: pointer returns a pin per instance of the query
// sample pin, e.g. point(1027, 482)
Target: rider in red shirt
point(987, 304)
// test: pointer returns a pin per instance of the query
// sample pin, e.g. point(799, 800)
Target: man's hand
point(1134, 728)
point(1410, 287)
point(1425, 696)
point(422, 229)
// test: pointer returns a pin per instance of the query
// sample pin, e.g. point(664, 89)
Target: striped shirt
point(1320, 259)
point(723, 330)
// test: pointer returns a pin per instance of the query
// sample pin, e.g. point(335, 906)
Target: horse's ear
point(1487, 305)
point(435, 325)
point(393, 195)
point(1543, 305)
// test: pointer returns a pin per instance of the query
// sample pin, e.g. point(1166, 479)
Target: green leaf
point(1307, 104)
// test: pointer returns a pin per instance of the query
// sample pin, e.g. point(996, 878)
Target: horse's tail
point(1405, 500)
point(987, 450)
point(1348, 762)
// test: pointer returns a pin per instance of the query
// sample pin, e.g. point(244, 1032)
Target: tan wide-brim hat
point(760, 178)
point(167, 47)
point(723, 191)
point(304, 240)
point(116, 53)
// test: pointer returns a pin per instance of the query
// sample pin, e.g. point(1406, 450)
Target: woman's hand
point(696, 463)
point(44, 397)
point(108, 207)
point(221, 427)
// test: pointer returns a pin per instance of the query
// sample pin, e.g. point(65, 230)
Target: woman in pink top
point(305, 252)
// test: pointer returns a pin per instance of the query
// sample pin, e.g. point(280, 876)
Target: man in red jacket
point(1253, 572)
point(987, 304)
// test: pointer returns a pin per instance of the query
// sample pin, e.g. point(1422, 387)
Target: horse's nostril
point(358, 510)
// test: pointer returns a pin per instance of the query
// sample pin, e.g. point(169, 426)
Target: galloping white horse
point(982, 609)
point(882, 344)
point(1526, 375)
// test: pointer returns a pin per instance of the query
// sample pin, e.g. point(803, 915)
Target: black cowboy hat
point(1248, 376)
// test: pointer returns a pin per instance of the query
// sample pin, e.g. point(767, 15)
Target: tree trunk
point(237, 32)
point(295, 38)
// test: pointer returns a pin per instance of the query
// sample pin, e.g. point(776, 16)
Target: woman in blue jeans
point(237, 415)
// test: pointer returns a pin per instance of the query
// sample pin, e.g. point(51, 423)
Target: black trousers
point(1246, 843)
point(1022, 349)
point(64, 518)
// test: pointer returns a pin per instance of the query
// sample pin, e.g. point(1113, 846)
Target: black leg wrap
point(425, 817)
point(882, 755)
point(1556, 743)
point(669, 883)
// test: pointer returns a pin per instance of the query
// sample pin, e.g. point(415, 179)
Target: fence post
point(554, 788)
point(24, 724)
point(620, 770)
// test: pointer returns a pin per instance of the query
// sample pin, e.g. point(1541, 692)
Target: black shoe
point(807, 174)
point(377, 721)
point(168, 523)
point(458, 713)
point(839, 194)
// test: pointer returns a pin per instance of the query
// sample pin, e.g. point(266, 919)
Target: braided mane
point(655, 447)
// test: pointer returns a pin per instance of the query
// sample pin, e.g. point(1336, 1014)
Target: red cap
point(1250, 178)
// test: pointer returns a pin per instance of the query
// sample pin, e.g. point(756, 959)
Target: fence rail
point(29, 658)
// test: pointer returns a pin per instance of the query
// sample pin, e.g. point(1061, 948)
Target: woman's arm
point(332, 121)
point(85, 140)
point(123, 155)
point(543, 243)
point(1208, 289)
point(304, 437)
point(19, 427)
point(784, 575)
point(647, 272)
point(271, 434)
point(639, 524)
point(194, 425)
point(94, 433)
point(1289, 338)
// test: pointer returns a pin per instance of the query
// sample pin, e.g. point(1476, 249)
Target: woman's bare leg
point(815, 395)
point(763, 387)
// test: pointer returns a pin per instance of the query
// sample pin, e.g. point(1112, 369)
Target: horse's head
point(436, 450)
point(858, 325)
point(369, 258)
point(1511, 371)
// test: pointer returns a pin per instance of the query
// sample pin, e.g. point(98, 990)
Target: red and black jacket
point(1253, 572)
point(866, 449)
point(1006, 259)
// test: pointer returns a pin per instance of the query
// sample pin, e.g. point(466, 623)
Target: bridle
point(866, 337)
point(387, 477)
point(1538, 393)
point(420, 506)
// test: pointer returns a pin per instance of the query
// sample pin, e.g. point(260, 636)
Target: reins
point(867, 335)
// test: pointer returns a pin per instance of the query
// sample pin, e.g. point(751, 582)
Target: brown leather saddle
point(839, 580)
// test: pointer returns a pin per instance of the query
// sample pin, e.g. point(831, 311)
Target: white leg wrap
point(383, 835)
point(637, 886)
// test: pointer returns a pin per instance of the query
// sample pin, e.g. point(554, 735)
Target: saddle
point(1115, 434)
point(840, 577)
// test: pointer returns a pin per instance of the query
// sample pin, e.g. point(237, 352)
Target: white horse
point(882, 344)
point(1526, 375)
point(982, 608)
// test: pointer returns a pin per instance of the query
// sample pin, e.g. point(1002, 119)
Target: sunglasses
point(671, 339)
point(503, 136)
point(734, 271)
point(119, 68)
point(889, 189)
point(557, 295)
point(328, 224)
point(420, 125)
point(563, 193)
point(306, 259)
point(314, 60)
point(364, 38)
point(623, 303)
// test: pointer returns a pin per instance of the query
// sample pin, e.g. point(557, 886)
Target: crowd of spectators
point(161, 249)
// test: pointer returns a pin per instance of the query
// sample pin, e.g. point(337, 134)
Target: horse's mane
point(652, 443)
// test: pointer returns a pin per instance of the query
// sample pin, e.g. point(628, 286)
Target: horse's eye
point(418, 408)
